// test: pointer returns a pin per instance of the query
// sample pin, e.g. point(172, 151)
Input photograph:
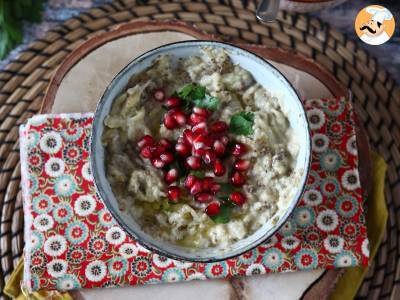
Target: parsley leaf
point(199, 92)
point(224, 193)
point(192, 92)
point(185, 91)
point(198, 173)
point(165, 205)
point(186, 106)
point(226, 189)
point(209, 102)
point(224, 214)
point(242, 123)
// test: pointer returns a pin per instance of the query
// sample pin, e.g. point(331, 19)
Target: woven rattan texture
point(23, 83)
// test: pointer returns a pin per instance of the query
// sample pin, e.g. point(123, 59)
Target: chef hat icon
point(379, 14)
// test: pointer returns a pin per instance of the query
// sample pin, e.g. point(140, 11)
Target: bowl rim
point(116, 215)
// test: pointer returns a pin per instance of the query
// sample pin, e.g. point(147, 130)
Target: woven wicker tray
point(83, 76)
point(377, 99)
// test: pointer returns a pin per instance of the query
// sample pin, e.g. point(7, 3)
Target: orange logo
point(374, 25)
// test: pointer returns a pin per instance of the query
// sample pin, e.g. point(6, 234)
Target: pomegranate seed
point(242, 165)
point(173, 102)
point(158, 150)
point(179, 117)
point(170, 122)
point(188, 136)
point(238, 198)
point(159, 94)
point(204, 197)
point(196, 119)
point(181, 140)
point(224, 140)
point(174, 193)
point(200, 128)
point(239, 149)
point(196, 187)
point(209, 156)
point(219, 168)
point(167, 157)
point(218, 127)
point(209, 141)
point(146, 140)
point(201, 111)
point(198, 140)
point(147, 152)
point(207, 183)
point(157, 163)
point(213, 208)
point(198, 152)
point(171, 176)
point(194, 162)
point(215, 187)
point(165, 143)
point(219, 148)
point(190, 181)
point(238, 178)
point(182, 149)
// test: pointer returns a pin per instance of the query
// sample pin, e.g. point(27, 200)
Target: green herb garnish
point(224, 193)
point(165, 205)
point(198, 173)
point(209, 102)
point(224, 215)
point(242, 123)
point(192, 92)
point(226, 189)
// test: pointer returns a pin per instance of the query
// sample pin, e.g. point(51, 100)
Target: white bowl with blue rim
point(266, 75)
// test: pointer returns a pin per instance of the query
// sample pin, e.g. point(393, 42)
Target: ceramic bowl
point(265, 74)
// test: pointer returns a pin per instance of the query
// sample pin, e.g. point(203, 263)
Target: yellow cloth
point(14, 290)
point(347, 286)
point(377, 215)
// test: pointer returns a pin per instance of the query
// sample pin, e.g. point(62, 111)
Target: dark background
point(341, 17)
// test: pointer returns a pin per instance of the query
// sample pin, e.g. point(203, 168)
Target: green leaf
point(242, 123)
point(209, 102)
point(226, 189)
point(199, 92)
point(27, 2)
point(12, 14)
point(198, 173)
point(186, 106)
point(224, 215)
point(192, 92)
point(185, 91)
point(34, 13)
point(14, 30)
point(4, 43)
point(224, 193)
point(17, 9)
point(165, 205)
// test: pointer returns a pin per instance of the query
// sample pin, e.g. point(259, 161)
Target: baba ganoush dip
point(198, 152)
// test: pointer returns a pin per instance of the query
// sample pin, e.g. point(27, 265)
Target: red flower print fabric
point(72, 241)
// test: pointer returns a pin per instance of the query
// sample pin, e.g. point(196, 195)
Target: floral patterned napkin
point(72, 240)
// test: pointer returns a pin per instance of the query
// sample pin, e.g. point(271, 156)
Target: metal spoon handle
point(267, 10)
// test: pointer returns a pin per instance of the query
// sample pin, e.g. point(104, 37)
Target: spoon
point(267, 10)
